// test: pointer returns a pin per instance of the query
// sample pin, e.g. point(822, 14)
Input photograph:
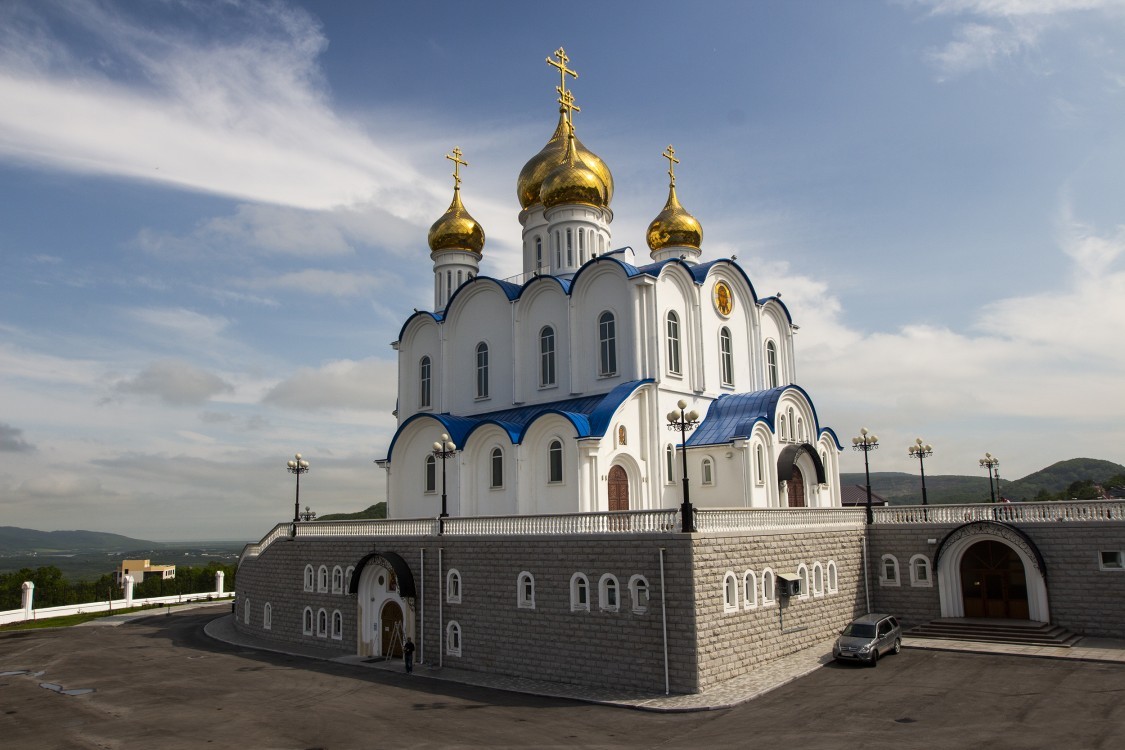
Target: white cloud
point(176, 383)
point(320, 282)
point(369, 384)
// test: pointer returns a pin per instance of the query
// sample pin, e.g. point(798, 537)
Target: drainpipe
point(440, 616)
point(866, 585)
point(664, 622)
point(422, 607)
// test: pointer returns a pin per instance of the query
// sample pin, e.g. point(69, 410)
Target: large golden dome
point(530, 182)
point(573, 181)
point(674, 227)
point(456, 229)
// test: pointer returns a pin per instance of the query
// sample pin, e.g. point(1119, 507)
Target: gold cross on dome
point(566, 102)
point(560, 55)
point(670, 155)
point(458, 162)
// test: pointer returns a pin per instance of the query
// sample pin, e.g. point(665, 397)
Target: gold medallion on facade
point(723, 298)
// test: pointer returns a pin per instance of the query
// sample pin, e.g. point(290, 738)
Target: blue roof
point(590, 416)
point(734, 415)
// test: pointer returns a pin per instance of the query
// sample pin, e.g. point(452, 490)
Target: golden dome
point(573, 181)
point(456, 229)
point(529, 184)
point(674, 227)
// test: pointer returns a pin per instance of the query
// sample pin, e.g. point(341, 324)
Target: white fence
point(20, 615)
point(1048, 512)
point(778, 520)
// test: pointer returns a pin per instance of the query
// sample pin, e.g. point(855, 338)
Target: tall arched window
point(307, 621)
point(538, 253)
point(482, 370)
point(496, 469)
point(337, 580)
point(430, 480)
point(453, 586)
point(555, 461)
point(673, 329)
point(708, 471)
point(570, 247)
point(453, 638)
point(771, 364)
point(424, 383)
point(638, 593)
point(310, 578)
point(267, 616)
point(607, 344)
point(579, 593)
point(608, 593)
point(670, 463)
point(547, 356)
point(730, 593)
point(726, 356)
point(337, 625)
point(759, 464)
point(525, 591)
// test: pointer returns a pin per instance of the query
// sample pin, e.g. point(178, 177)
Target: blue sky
point(213, 220)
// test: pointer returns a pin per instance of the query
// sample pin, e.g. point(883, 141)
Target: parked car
point(867, 638)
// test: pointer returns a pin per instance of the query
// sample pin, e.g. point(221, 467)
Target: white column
point(28, 599)
point(128, 591)
point(219, 576)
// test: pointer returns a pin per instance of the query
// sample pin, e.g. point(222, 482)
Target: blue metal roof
point(590, 416)
point(734, 415)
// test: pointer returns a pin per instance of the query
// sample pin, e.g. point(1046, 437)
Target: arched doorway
point(993, 583)
point(390, 619)
point(618, 489)
point(796, 489)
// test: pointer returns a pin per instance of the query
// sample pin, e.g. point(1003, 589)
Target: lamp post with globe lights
point(866, 442)
point(990, 463)
point(443, 449)
point(684, 422)
point(921, 451)
point(297, 466)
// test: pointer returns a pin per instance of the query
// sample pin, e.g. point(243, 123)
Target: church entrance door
point(993, 582)
point(797, 489)
point(391, 619)
point(618, 489)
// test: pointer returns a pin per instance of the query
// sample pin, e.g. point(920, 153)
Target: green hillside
point(378, 510)
point(900, 488)
point(15, 540)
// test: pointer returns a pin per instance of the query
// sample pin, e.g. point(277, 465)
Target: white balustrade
point(718, 520)
point(1045, 512)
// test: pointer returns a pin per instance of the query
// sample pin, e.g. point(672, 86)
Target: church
point(554, 386)
point(605, 473)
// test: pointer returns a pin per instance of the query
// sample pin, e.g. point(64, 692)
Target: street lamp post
point(921, 451)
point(308, 515)
point(297, 466)
point(866, 442)
point(443, 449)
point(684, 422)
point(989, 463)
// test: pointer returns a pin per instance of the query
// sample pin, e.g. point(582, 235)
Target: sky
point(213, 221)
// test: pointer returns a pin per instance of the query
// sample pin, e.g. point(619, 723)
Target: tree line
point(1088, 489)
point(52, 589)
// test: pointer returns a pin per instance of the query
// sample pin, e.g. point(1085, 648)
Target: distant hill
point(900, 488)
point(378, 510)
point(14, 540)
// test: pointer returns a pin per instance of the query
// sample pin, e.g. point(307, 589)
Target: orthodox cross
point(458, 162)
point(670, 155)
point(566, 103)
point(564, 71)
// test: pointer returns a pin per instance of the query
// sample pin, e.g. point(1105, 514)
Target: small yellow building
point(138, 569)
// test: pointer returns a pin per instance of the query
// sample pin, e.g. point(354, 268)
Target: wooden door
point(797, 489)
point(390, 619)
point(618, 489)
point(993, 582)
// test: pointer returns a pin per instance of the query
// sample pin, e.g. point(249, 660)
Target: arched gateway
point(989, 569)
point(385, 595)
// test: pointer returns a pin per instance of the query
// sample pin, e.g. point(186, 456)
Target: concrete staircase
point(1022, 632)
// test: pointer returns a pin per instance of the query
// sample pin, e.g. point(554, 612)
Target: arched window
point(430, 481)
point(267, 616)
point(496, 469)
point(782, 429)
point(579, 593)
point(546, 357)
point(322, 579)
point(348, 578)
point(424, 383)
point(607, 344)
point(730, 592)
point(570, 247)
point(246, 612)
point(803, 574)
point(673, 328)
point(817, 579)
point(555, 462)
point(538, 253)
point(920, 571)
point(771, 364)
point(322, 623)
point(759, 464)
point(800, 430)
point(482, 370)
point(670, 463)
point(337, 580)
point(337, 625)
point(558, 250)
point(726, 356)
point(607, 593)
point(638, 593)
point(749, 590)
point(310, 578)
point(525, 591)
point(792, 426)
point(768, 584)
point(307, 621)
point(832, 584)
point(453, 586)
point(888, 570)
point(453, 638)
point(708, 472)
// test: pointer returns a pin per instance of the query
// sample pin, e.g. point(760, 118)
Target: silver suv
point(868, 638)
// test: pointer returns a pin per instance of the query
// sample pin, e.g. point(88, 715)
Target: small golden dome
point(456, 229)
point(530, 182)
point(573, 181)
point(674, 227)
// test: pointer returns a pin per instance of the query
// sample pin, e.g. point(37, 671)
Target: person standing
point(408, 655)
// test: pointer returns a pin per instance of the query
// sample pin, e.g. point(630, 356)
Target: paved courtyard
point(160, 682)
